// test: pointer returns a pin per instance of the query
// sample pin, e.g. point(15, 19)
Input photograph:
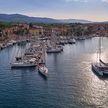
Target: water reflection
point(92, 89)
point(44, 77)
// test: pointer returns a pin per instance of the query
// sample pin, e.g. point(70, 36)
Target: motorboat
point(53, 50)
point(72, 41)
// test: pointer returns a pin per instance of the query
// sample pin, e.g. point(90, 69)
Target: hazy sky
point(96, 10)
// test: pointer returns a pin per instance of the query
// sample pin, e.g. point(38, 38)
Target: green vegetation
point(5, 25)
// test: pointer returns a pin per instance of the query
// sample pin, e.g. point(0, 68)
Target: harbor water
point(70, 82)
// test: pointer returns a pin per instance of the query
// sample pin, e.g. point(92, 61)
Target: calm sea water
point(70, 83)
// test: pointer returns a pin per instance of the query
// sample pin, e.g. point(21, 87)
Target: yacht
point(19, 63)
point(100, 67)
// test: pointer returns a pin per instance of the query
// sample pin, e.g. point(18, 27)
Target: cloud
point(105, 1)
point(76, 0)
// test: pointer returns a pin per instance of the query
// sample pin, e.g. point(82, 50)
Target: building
point(36, 31)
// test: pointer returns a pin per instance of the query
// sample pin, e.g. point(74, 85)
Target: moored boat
point(54, 47)
point(100, 69)
point(54, 50)
point(9, 44)
point(24, 61)
point(43, 69)
point(22, 65)
point(72, 41)
point(41, 65)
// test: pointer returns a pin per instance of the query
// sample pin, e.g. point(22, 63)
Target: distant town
point(15, 31)
point(24, 31)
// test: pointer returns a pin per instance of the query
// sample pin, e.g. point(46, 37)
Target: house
point(36, 31)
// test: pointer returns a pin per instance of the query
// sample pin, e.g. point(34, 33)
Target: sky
point(94, 10)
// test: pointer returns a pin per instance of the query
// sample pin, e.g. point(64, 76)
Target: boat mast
point(99, 47)
point(54, 38)
point(100, 41)
point(43, 52)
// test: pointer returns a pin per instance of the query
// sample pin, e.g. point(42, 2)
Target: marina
point(54, 54)
point(70, 78)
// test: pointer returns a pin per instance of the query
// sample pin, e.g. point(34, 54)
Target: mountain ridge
point(25, 18)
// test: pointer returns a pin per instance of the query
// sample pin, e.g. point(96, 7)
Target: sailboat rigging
point(42, 64)
point(100, 67)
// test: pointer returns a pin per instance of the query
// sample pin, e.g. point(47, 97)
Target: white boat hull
point(22, 65)
point(72, 41)
point(54, 50)
point(43, 70)
point(101, 70)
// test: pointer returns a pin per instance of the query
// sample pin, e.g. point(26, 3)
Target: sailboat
point(42, 65)
point(54, 48)
point(20, 62)
point(100, 67)
point(23, 62)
